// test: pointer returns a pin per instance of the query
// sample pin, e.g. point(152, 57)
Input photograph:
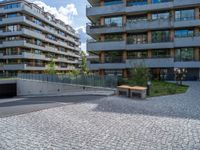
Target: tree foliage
point(51, 67)
point(139, 75)
point(83, 66)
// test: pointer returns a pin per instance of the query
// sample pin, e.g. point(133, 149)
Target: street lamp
point(148, 87)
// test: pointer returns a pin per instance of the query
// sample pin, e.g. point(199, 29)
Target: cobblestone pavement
point(162, 123)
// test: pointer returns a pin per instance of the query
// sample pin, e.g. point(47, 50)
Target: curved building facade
point(30, 38)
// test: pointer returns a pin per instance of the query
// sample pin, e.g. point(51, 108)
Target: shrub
point(139, 75)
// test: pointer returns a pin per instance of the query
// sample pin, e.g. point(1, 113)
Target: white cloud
point(65, 14)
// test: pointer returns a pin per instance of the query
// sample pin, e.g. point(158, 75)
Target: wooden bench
point(138, 91)
point(123, 90)
point(132, 91)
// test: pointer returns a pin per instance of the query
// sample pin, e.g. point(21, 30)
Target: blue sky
point(80, 19)
point(72, 12)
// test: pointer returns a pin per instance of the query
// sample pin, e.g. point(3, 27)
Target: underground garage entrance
point(8, 90)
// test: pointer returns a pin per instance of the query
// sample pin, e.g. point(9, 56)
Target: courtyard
point(106, 123)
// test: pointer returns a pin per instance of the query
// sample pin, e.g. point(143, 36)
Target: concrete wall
point(30, 87)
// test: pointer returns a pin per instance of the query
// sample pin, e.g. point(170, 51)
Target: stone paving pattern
point(111, 123)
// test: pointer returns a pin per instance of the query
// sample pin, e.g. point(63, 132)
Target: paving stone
point(111, 123)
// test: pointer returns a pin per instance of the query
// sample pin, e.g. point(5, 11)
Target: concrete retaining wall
point(33, 87)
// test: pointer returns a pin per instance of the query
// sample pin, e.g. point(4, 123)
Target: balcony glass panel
point(184, 33)
point(11, 6)
point(136, 2)
point(137, 38)
point(112, 2)
point(135, 19)
point(165, 53)
point(113, 57)
point(113, 37)
point(137, 55)
point(181, 15)
point(113, 21)
point(160, 36)
point(184, 54)
point(157, 16)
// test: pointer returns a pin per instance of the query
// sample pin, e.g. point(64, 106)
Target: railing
point(86, 80)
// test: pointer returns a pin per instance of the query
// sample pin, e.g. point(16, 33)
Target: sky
point(72, 12)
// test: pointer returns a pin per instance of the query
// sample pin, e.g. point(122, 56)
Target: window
point(160, 36)
point(10, 6)
point(161, 53)
point(112, 2)
point(113, 57)
point(12, 28)
point(184, 33)
point(36, 21)
point(137, 54)
point(11, 15)
point(113, 37)
point(136, 2)
point(161, 1)
point(181, 15)
point(184, 54)
point(137, 38)
point(113, 21)
point(164, 15)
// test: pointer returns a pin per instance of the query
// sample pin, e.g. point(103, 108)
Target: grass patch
point(161, 88)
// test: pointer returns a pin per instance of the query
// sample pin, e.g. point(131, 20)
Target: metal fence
point(87, 80)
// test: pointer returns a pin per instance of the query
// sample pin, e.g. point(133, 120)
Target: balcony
point(111, 45)
point(13, 67)
point(151, 62)
point(150, 7)
point(97, 10)
point(130, 63)
point(187, 42)
point(101, 10)
point(189, 64)
point(148, 25)
point(97, 29)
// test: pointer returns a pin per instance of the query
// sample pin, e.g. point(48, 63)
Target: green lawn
point(160, 88)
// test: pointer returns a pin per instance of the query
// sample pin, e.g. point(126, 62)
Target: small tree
point(51, 69)
point(140, 75)
point(84, 68)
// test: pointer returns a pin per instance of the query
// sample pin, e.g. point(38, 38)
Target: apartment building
point(162, 34)
point(30, 38)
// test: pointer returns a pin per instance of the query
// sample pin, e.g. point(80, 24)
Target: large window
point(184, 15)
point(160, 36)
point(163, 15)
point(112, 2)
point(137, 38)
point(10, 6)
point(113, 37)
point(184, 33)
point(161, 53)
point(136, 2)
point(113, 21)
point(184, 54)
point(137, 54)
